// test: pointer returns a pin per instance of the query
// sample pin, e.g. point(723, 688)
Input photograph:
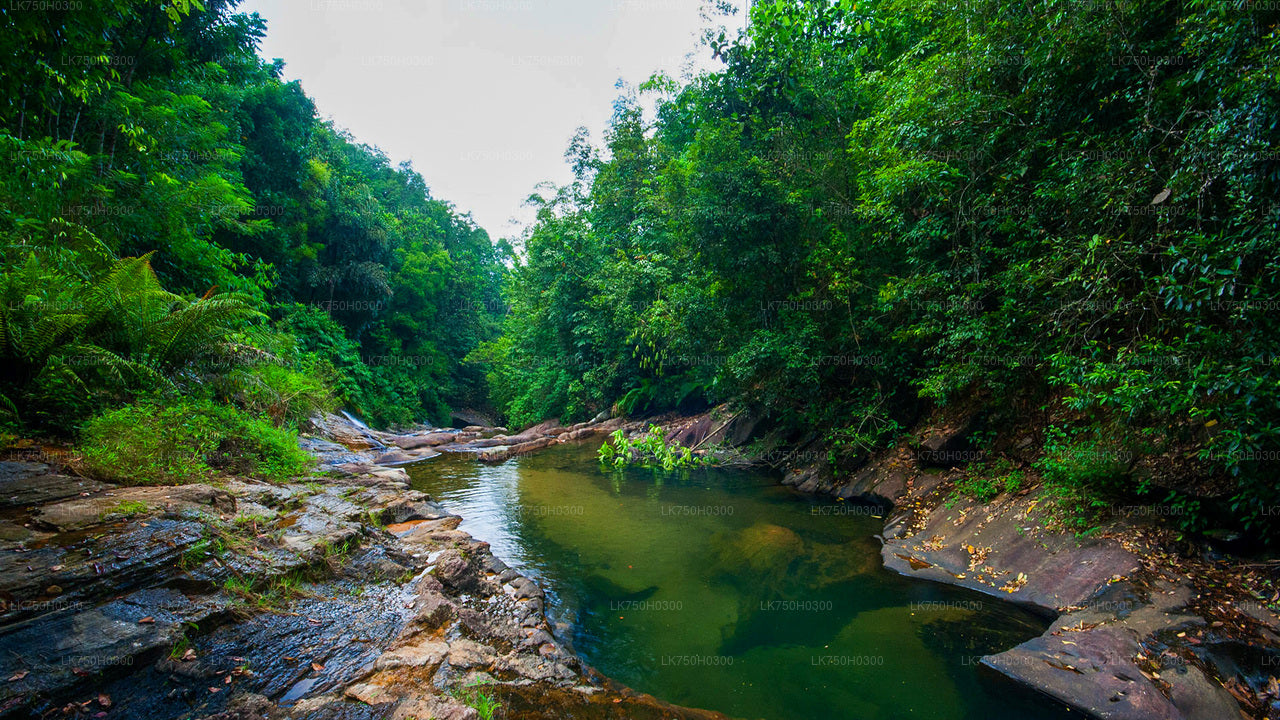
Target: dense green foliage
point(1055, 211)
point(176, 221)
point(184, 442)
point(648, 450)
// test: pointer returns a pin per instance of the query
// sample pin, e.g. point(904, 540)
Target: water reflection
point(722, 589)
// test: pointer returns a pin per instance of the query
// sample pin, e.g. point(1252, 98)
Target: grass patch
point(183, 643)
point(335, 556)
point(270, 594)
point(202, 550)
point(127, 509)
point(186, 442)
point(473, 696)
point(179, 648)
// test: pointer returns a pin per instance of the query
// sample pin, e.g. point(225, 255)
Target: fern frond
point(201, 327)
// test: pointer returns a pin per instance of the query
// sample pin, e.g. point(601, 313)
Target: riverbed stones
point(371, 626)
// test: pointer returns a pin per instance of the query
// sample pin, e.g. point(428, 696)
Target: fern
point(75, 344)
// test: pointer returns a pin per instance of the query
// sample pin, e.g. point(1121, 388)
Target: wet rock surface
point(346, 595)
point(31, 483)
point(1128, 642)
point(1108, 661)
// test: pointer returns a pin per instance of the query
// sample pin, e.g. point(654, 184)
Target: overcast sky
point(481, 96)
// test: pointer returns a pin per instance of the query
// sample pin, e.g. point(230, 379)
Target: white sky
point(481, 96)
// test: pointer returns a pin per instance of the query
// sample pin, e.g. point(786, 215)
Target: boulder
point(1096, 671)
point(404, 510)
point(453, 570)
point(411, 442)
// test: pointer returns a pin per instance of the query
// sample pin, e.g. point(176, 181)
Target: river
point(724, 590)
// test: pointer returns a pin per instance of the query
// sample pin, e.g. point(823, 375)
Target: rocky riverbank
point(350, 595)
point(343, 595)
point(1140, 632)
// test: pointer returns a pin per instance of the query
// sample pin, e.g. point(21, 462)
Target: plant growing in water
point(648, 450)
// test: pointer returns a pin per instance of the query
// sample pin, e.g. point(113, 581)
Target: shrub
point(71, 347)
point(188, 441)
point(984, 483)
point(1079, 474)
point(649, 450)
point(286, 395)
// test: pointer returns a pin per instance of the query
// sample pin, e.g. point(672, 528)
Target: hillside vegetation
point(178, 226)
point(1054, 214)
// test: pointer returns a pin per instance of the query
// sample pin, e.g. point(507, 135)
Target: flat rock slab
point(421, 531)
point(122, 502)
point(1096, 671)
point(28, 483)
point(331, 453)
point(56, 577)
point(412, 442)
point(404, 457)
point(997, 549)
point(322, 522)
point(57, 650)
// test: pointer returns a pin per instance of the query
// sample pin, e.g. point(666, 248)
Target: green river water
point(724, 590)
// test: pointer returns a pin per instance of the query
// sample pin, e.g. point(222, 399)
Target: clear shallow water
point(722, 589)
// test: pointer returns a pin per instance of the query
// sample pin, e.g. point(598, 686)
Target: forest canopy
point(1060, 213)
point(177, 221)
